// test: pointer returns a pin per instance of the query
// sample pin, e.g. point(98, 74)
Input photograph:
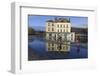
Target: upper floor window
point(64, 26)
point(61, 25)
point(58, 25)
point(52, 24)
point(52, 29)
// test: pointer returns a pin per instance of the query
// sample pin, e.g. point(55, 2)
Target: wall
point(5, 33)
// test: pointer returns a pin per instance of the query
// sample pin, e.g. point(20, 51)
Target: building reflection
point(61, 37)
point(57, 44)
point(58, 47)
point(58, 41)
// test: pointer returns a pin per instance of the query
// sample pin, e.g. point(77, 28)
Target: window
point(58, 25)
point(52, 24)
point(48, 49)
point(61, 30)
point(64, 26)
point(58, 30)
point(52, 48)
point(52, 44)
point(52, 29)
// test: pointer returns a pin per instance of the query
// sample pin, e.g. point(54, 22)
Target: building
point(58, 25)
point(59, 29)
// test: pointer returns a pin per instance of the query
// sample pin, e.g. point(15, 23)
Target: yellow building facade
point(59, 35)
point(59, 29)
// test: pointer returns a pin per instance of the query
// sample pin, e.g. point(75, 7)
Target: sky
point(38, 22)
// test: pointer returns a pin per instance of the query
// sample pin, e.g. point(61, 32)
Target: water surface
point(41, 49)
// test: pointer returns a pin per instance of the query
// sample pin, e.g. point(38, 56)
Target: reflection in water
point(57, 42)
point(78, 48)
point(60, 37)
point(40, 48)
point(57, 46)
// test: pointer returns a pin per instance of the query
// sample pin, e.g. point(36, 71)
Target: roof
point(60, 20)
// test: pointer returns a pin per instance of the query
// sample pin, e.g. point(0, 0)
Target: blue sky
point(38, 22)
